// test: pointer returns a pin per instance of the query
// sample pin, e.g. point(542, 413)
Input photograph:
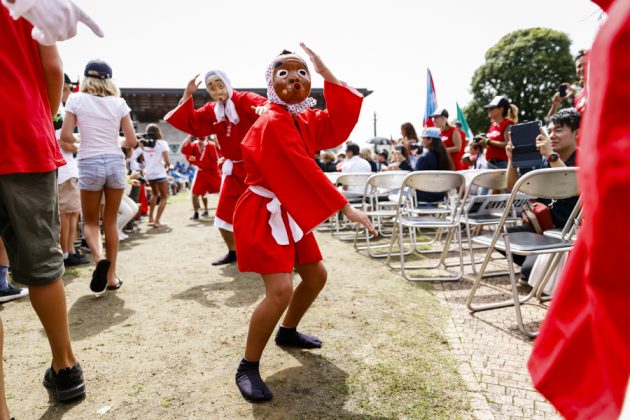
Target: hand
point(543, 143)
point(220, 160)
point(357, 216)
point(192, 87)
point(557, 99)
point(53, 20)
point(318, 64)
point(259, 110)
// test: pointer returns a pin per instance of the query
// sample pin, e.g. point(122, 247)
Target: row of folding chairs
point(414, 228)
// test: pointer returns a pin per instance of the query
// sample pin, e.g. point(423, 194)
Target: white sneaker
point(12, 293)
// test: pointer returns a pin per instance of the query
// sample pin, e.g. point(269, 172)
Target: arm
point(130, 134)
point(67, 128)
point(191, 88)
point(511, 173)
point(197, 122)
point(69, 147)
point(53, 72)
point(457, 143)
point(167, 163)
point(319, 66)
point(543, 143)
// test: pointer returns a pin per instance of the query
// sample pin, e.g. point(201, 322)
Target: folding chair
point(549, 183)
point(407, 217)
point(378, 207)
point(352, 186)
point(329, 225)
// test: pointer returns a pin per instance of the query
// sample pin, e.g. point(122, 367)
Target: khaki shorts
point(29, 226)
point(69, 196)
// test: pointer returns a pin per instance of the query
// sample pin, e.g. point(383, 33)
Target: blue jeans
point(102, 171)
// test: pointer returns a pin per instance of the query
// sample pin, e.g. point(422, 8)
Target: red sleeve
point(196, 122)
point(302, 188)
point(249, 100)
point(336, 122)
point(188, 149)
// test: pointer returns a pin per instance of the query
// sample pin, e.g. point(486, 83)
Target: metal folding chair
point(408, 218)
point(549, 183)
point(349, 182)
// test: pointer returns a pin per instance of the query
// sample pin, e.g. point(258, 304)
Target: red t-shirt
point(26, 129)
point(496, 133)
point(447, 140)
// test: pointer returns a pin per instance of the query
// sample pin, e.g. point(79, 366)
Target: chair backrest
point(493, 179)
point(495, 204)
point(388, 180)
point(332, 176)
point(549, 183)
point(353, 180)
point(435, 181)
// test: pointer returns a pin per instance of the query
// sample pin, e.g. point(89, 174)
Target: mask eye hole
point(282, 73)
point(302, 72)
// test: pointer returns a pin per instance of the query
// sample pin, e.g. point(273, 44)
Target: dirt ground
point(167, 344)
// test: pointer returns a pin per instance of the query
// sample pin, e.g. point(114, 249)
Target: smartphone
point(525, 153)
point(562, 90)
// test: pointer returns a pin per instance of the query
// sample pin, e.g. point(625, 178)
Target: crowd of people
point(94, 177)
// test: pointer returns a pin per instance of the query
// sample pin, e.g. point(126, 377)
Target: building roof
point(151, 104)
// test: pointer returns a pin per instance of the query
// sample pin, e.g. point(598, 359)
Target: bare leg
point(153, 202)
point(163, 188)
point(4, 258)
point(91, 205)
point(313, 280)
point(110, 225)
point(195, 202)
point(72, 232)
point(49, 302)
point(278, 291)
point(205, 202)
point(228, 237)
point(4, 409)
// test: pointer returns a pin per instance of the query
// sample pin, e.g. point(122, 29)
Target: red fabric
point(144, 203)
point(26, 129)
point(496, 133)
point(447, 139)
point(580, 101)
point(279, 156)
point(203, 122)
point(581, 359)
point(207, 179)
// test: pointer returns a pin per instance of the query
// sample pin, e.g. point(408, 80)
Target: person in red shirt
point(287, 197)
point(229, 117)
point(32, 80)
point(203, 154)
point(451, 138)
point(502, 116)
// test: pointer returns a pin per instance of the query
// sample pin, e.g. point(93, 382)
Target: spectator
point(67, 183)
point(381, 160)
point(575, 91)
point(354, 162)
point(476, 159)
point(328, 162)
point(99, 113)
point(318, 160)
point(502, 116)
point(435, 159)
point(451, 137)
point(401, 160)
point(367, 154)
point(340, 159)
point(155, 156)
point(557, 150)
point(408, 134)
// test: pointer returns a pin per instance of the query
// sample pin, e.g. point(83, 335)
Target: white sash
point(278, 228)
point(228, 165)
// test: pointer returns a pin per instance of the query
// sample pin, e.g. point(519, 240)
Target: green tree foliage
point(527, 66)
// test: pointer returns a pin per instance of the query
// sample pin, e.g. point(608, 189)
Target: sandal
point(116, 286)
point(99, 276)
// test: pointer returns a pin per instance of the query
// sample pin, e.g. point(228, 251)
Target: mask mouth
point(297, 86)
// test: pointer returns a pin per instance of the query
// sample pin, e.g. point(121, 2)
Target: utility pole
point(374, 123)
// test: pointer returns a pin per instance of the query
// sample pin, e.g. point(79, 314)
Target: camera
point(146, 139)
point(479, 138)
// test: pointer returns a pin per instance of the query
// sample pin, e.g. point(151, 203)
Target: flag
point(431, 104)
point(76, 87)
point(462, 119)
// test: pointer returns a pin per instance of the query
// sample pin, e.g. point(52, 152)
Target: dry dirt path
point(167, 344)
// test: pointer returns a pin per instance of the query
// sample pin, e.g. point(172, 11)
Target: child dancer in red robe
point(287, 197)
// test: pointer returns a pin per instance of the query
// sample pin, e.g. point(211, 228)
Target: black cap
point(98, 69)
point(498, 102)
point(440, 112)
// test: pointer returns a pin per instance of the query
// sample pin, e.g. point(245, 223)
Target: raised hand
point(192, 86)
point(318, 65)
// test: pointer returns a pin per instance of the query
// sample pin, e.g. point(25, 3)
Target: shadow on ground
point(244, 290)
point(90, 316)
point(316, 389)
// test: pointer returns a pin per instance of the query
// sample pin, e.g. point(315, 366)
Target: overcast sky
point(384, 46)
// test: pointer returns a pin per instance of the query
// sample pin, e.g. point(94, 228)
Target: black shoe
point(67, 384)
point(75, 259)
point(195, 216)
point(228, 258)
point(290, 337)
point(205, 214)
point(99, 276)
point(249, 382)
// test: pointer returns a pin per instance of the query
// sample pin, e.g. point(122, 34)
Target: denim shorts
point(102, 171)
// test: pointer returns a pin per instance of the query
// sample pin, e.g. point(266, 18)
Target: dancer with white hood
point(229, 117)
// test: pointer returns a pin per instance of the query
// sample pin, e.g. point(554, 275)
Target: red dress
point(581, 359)
point(203, 122)
point(278, 153)
point(207, 179)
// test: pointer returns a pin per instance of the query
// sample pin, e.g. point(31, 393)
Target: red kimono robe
point(203, 122)
point(278, 153)
point(207, 179)
point(581, 359)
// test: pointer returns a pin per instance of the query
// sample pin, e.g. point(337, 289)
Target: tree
point(527, 66)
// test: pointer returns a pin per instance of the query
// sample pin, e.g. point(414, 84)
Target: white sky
point(384, 46)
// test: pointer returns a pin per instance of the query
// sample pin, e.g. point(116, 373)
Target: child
point(287, 197)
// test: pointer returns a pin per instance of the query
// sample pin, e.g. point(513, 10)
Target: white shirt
point(154, 161)
point(98, 119)
point(70, 169)
point(355, 164)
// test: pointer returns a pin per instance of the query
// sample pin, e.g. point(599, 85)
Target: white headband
point(273, 96)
